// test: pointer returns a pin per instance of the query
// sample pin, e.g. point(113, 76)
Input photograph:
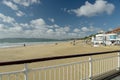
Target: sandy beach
point(46, 50)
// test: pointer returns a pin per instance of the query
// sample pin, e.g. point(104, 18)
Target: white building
point(107, 39)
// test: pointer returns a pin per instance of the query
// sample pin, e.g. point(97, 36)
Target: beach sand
point(47, 50)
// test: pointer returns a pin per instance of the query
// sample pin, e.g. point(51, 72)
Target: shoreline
point(15, 45)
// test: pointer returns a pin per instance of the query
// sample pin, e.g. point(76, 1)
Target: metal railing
point(94, 64)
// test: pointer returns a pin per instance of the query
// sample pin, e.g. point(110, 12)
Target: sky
point(57, 19)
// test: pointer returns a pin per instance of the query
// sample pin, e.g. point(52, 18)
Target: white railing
point(80, 70)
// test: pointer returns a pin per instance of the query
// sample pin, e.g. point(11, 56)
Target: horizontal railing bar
point(13, 72)
point(60, 65)
point(54, 58)
point(104, 58)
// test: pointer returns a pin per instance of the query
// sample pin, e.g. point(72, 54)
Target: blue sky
point(57, 18)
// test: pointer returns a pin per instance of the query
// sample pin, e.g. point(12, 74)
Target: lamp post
point(104, 38)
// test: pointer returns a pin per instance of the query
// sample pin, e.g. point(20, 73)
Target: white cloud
point(20, 13)
point(51, 20)
point(7, 19)
point(15, 29)
point(14, 7)
point(1, 27)
point(90, 29)
point(38, 28)
point(66, 28)
point(62, 29)
point(85, 29)
point(56, 26)
point(100, 6)
point(38, 22)
point(10, 4)
point(26, 3)
point(76, 30)
point(49, 31)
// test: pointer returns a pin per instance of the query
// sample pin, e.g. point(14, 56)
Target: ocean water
point(17, 42)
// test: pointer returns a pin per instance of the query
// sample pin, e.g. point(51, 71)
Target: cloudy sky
point(57, 18)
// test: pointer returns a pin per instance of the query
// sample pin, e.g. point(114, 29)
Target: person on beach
point(24, 45)
point(56, 43)
point(74, 42)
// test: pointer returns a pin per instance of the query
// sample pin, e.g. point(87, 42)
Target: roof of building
point(114, 31)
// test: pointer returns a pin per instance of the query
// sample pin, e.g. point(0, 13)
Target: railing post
point(0, 77)
point(90, 68)
point(25, 71)
point(118, 66)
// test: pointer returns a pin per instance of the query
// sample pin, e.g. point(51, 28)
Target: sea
point(17, 42)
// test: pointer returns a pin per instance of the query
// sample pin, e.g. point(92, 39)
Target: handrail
point(53, 58)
